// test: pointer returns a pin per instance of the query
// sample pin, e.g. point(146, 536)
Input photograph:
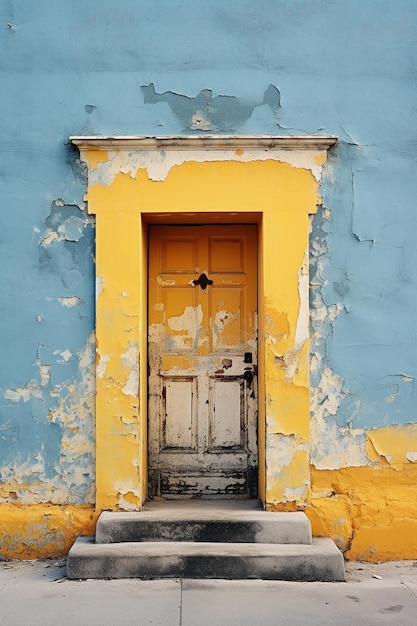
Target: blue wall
point(338, 67)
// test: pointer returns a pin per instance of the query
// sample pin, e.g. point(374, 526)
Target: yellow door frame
point(134, 181)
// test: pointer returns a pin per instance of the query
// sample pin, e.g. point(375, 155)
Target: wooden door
point(202, 361)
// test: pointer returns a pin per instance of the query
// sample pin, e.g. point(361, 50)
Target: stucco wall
point(293, 67)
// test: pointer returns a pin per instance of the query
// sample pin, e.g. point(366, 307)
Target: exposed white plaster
point(33, 389)
point(45, 374)
point(189, 322)
point(102, 364)
point(123, 489)
point(200, 121)
point(86, 355)
point(99, 285)
point(333, 447)
point(158, 164)
point(296, 493)
point(130, 358)
point(224, 318)
point(156, 333)
point(50, 237)
point(20, 393)
point(302, 332)
point(280, 452)
point(412, 457)
point(70, 301)
point(66, 354)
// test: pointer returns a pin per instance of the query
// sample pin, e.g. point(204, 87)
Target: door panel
point(202, 389)
point(179, 428)
point(227, 400)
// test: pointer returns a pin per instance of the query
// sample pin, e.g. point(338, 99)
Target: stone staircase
point(232, 539)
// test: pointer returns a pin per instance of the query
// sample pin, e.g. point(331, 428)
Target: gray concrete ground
point(39, 593)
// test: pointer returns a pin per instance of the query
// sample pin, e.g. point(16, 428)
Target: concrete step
point(202, 523)
point(320, 561)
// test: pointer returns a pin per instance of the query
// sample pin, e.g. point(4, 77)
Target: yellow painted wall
point(370, 512)
point(35, 531)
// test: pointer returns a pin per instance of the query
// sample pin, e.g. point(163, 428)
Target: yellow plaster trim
point(233, 180)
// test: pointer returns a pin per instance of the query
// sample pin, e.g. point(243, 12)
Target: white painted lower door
point(202, 361)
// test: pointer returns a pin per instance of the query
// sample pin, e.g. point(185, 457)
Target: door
point(202, 361)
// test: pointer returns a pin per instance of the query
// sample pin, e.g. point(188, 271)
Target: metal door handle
point(248, 375)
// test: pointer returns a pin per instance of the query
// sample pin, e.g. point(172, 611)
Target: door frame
point(134, 181)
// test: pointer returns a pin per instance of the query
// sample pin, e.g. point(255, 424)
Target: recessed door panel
point(179, 428)
point(227, 428)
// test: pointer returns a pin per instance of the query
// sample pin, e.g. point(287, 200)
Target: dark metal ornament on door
point(203, 281)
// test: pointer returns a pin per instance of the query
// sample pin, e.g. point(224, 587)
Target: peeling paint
point(99, 285)
point(130, 358)
point(71, 301)
point(397, 445)
point(101, 365)
point(70, 479)
point(220, 113)
point(159, 164)
point(332, 446)
point(187, 326)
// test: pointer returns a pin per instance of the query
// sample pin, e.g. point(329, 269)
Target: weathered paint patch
point(130, 359)
point(158, 164)
point(40, 531)
point(71, 301)
point(396, 444)
point(366, 511)
point(204, 112)
point(333, 446)
point(186, 327)
point(286, 460)
point(69, 408)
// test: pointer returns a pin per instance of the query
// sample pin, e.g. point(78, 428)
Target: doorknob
point(203, 281)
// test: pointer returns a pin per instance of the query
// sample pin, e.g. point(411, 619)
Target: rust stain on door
point(202, 392)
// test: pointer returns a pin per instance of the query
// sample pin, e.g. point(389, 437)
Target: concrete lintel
point(207, 142)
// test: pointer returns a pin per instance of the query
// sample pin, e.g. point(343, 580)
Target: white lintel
point(207, 142)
